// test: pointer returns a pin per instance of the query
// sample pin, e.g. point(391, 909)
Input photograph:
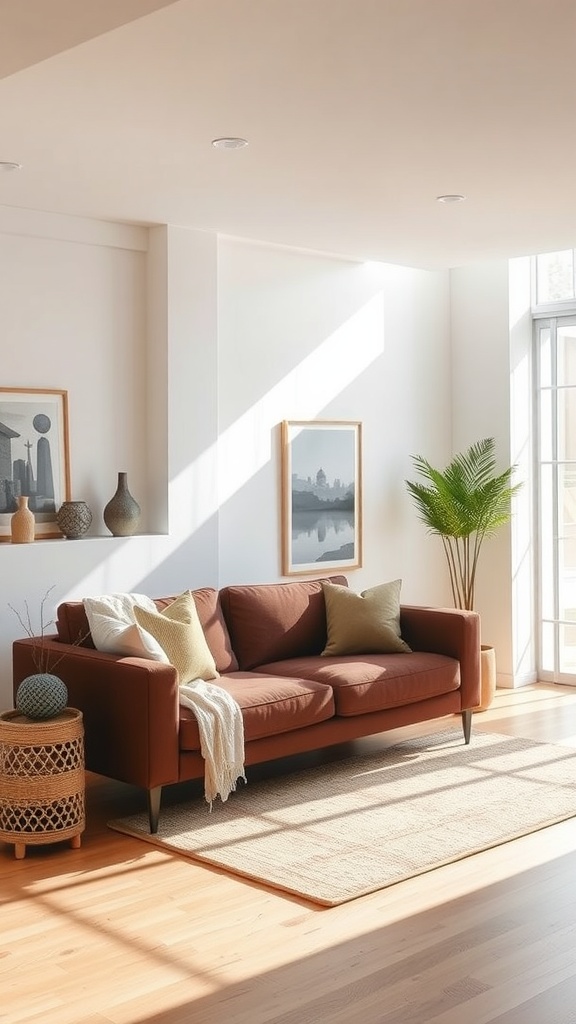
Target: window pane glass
point(566, 580)
point(547, 647)
point(567, 542)
point(545, 357)
point(566, 355)
point(567, 424)
point(567, 499)
point(546, 543)
point(554, 276)
point(546, 426)
point(568, 648)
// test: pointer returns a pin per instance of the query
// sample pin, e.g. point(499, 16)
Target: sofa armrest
point(449, 631)
point(130, 708)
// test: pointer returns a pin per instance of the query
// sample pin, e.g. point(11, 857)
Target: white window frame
point(542, 320)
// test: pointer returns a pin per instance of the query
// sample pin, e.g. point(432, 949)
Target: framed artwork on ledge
point(34, 456)
point(321, 496)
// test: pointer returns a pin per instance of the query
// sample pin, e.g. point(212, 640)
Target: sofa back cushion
point(273, 621)
point(72, 623)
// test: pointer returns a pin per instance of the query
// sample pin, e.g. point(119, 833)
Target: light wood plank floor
point(120, 932)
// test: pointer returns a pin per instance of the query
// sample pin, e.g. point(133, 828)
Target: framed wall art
point(34, 456)
point(321, 496)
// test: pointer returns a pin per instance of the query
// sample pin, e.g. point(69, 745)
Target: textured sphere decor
point(41, 696)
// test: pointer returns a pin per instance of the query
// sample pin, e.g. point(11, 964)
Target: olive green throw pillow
point(366, 623)
point(178, 630)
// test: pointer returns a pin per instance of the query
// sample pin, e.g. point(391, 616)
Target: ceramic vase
point(74, 519)
point(22, 523)
point(122, 513)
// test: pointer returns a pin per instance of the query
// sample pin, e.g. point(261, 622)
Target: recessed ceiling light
point(9, 165)
point(450, 199)
point(229, 143)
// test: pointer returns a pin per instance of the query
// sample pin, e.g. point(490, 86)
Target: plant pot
point(487, 677)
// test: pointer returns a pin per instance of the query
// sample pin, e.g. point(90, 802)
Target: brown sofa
point(267, 641)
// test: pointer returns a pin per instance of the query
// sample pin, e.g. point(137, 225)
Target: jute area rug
point(339, 831)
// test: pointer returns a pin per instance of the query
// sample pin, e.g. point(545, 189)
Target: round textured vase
point(73, 518)
point(122, 513)
point(22, 523)
point(41, 696)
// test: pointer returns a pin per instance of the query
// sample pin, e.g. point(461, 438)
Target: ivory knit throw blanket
point(221, 736)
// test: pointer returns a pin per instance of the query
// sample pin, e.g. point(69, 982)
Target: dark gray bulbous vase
point(122, 513)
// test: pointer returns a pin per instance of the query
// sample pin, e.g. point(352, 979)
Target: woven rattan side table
point(41, 779)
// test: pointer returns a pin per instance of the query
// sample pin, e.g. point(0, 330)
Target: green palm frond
point(463, 504)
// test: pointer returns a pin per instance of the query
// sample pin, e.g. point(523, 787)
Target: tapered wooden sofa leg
point(154, 797)
point(467, 724)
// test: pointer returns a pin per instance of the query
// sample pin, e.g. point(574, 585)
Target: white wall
point(303, 336)
point(523, 532)
point(491, 337)
point(182, 407)
point(181, 354)
point(72, 317)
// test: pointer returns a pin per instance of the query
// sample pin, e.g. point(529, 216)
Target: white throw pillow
point(114, 628)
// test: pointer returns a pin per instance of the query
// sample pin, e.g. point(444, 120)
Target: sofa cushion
point(72, 624)
point(178, 630)
point(270, 706)
point(272, 621)
point(366, 623)
point(374, 682)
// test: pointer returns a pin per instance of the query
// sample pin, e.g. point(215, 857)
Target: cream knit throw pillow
point(178, 631)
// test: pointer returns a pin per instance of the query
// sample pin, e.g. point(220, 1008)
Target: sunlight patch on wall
point(193, 495)
point(129, 559)
point(248, 445)
point(305, 393)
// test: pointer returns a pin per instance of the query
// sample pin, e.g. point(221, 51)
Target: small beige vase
point(22, 523)
point(487, 677)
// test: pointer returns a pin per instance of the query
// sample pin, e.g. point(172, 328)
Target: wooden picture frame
point(321, 496)
point(34, 456)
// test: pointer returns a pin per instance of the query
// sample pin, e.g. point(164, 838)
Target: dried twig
point(40, 653)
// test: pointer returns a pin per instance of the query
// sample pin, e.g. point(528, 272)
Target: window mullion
point(555, 507)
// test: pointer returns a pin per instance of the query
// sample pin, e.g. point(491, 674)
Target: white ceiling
point(358, 114)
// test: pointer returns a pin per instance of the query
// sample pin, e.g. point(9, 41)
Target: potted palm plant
point(464, 504)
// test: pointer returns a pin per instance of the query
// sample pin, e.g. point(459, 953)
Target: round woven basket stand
point(41, 779)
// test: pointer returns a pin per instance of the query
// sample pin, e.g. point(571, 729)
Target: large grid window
point(554, 309)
